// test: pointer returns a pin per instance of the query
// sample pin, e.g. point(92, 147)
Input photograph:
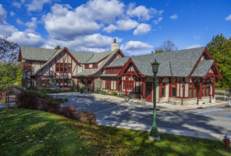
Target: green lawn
point(29, 132)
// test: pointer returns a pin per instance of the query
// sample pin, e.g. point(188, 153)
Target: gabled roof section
point(119, 62)
point(98, 56)
point(175, 63)
point(48, 61)
point(90, 72)
point(82, 57)
point(127, 65)
point(202, 68)
point(37, 54)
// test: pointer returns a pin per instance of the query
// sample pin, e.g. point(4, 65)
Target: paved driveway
point(197, 120)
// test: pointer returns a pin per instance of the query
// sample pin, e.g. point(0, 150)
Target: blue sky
point(90, 26)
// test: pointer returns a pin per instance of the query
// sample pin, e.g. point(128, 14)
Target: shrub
point(66, 99)
point(109, 91)
point(27, 100)
point(59, 100)
point(47, 91)
point(114, 93)
point(50, 106)
point(70, 112)
point(38, 94)
point(87, 118)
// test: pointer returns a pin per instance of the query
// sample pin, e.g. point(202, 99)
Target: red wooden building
point(184, 77)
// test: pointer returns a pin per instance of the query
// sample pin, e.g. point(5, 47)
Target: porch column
point(126, 85)
point(77, 84)
point(160, 91)
point(93, 85)
point(85, 83)
point(143, 100)
point(213, 89)
point(200, 93)
point(213, 99)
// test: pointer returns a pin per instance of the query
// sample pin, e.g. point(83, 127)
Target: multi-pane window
point(108, 84)
point(174, 89)
point(192, 90)
point(69, 67)
point(205, 90)
point(63, 67)
point(63, 83)
point(57, 67)
point(45, 83)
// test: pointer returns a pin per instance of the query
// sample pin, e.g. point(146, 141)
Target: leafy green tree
point(57, 47)
point(220, 50)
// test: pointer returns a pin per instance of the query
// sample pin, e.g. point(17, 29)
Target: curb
point(142, 127)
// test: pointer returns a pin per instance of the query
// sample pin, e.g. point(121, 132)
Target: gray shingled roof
point(54, 55)
point(87, 72)
point(202, 68)
point(110, 75)
point(98, 56)
point(38, 54)
point(82, 57)
point(182, 62)
point(119, 61)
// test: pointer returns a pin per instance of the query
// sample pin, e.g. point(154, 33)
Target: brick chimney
point(114, 45)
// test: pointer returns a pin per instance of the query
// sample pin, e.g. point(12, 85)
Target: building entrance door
point(149, 91)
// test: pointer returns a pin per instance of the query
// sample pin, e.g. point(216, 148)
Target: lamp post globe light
point(154, 135)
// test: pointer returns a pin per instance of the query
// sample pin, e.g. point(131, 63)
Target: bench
point(121, 94)
point(103, 92)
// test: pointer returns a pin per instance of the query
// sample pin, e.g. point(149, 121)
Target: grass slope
point(30, 132)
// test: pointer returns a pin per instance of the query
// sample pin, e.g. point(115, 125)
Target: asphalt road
point(204, 120)
point(210, 120)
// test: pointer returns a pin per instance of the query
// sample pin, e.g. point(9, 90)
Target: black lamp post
point(154, 135)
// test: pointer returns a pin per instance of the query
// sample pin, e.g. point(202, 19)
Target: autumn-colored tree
point(220, 50)
point(167, 46)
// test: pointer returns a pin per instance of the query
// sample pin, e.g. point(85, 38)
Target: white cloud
point(136, 45)
point(37, 5)
point(193, 46)
point(88, 43)
point(158, 20)
point(21, 37)
point(103, 10)
point(12, 13)
point(126, 24)
point(18, 4)
point(136, 48)
point(110, 28)
point(31, 25)
point(28, 39)
point(142, 12)
point(142, 29)
point(19, 22)
point(159, 27)
point(174, 16)
point(66, 25)
point(228, 18)
point(3, 14)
